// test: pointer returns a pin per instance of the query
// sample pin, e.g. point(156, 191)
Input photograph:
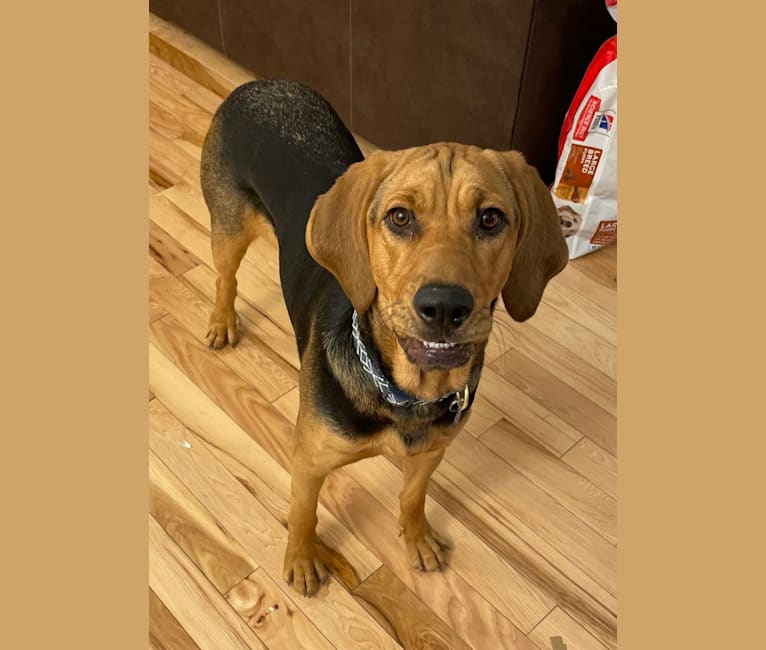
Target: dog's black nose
point(443, 305)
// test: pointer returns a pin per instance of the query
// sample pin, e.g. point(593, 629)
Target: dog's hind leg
point(243, 220)
point(237, 217)
point(228, 251)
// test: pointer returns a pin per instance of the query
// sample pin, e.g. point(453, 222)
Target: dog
point(391, 268)
point(570, 221)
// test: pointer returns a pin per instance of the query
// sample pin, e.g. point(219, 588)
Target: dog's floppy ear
point(541, 251)
point(336, 233)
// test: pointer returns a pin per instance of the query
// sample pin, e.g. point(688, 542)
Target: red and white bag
point(585, 186)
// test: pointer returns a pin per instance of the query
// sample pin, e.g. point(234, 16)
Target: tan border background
point(74, 314)
point(691, 326)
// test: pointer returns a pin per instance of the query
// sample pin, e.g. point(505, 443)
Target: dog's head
point(429, 237)
point(570, 221)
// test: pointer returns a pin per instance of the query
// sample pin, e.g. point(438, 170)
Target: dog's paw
point(305, 571)
point(426, 550)
point(223, 329)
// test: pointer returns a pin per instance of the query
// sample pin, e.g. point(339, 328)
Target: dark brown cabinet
point(493, 73)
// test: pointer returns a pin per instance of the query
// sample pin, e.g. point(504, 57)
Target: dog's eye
point(399, 217)
point(490, 218)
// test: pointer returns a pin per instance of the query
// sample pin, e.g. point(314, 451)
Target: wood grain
point(262, 476)
point(337, 615)
point(254, 361)
point(588, 502)
point(168, 163)
point(560, 361)
point(474, 468)
point(479, 565)
point(558, 397)
point(527, 414)
point(168, 252)
point(204, 540)
point(273, 616)
point(165, 632)
point(595, 464)
point(573, 636)
point(405, 616)
point(194, 602)
point(446, 593)
point(254, 321)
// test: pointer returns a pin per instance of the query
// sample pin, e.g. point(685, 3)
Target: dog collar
point(458, 402)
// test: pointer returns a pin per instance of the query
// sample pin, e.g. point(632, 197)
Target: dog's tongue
point(435, 355)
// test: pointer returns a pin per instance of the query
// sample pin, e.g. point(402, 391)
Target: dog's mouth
point(436, 355)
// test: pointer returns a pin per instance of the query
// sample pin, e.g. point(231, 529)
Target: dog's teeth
point(435, 345)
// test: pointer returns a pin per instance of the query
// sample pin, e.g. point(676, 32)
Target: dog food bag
point(585, 186)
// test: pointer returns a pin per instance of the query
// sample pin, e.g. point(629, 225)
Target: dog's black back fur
point(281, 145)
point(284, 142)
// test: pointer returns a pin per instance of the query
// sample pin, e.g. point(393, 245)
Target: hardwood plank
point(595, 464)
point(272, 615)
point(405, 616)
point(194, 121)
point(483, 415)
point(156, 270)
point(193, 601)
point(558, 397)
point(225, 387)
point(165, 632)
point(591, 504)
point(498, 581)
point(253, 467)
point(204, 540)
point(573, 636)
point(599, 353)
point(446, 593)
point(178, 83)
point(561, 362)
point(155, 311)
point(196, 60)
point(254, 285)
point(543, 564)
point(168, 252)
point(535, 533)
point(168, 77)
point(206, 99)
point(336, 614)
point(264, 370)
point(528, 509)
point(263, 253)
point(574, 279)
point(169, 164)
point(527, 414)
point(583, 310)
point(289, 404)
point(164, 121)
point(600, 266)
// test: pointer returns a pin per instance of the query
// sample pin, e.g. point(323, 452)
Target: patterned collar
point(458, 402)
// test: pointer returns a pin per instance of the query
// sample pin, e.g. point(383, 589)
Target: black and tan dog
point(390, 268)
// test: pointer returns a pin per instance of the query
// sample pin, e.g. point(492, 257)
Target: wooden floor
point(526, 494)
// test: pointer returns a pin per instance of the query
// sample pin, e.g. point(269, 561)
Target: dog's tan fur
point(446, 186)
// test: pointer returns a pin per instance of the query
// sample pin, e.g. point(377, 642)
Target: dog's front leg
point(302, 566)
point(425, 549)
